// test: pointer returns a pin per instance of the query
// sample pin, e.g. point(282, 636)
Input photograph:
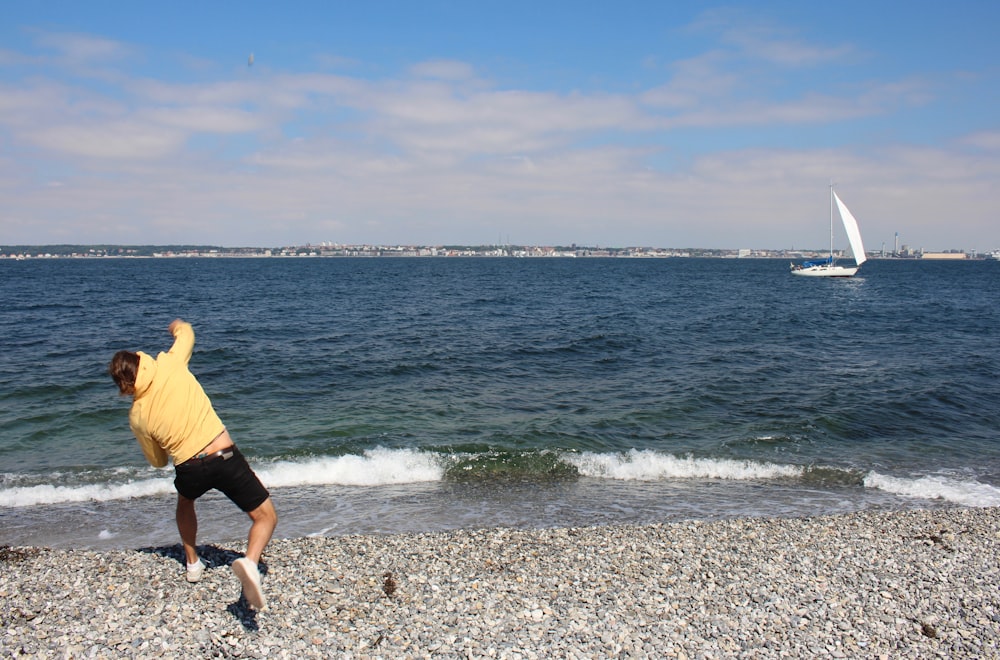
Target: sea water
point(422, 394)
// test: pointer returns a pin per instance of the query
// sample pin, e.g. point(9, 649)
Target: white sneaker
point(195, 571)
point(249, 577)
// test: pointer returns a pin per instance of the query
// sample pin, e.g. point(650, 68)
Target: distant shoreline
point(24, 252)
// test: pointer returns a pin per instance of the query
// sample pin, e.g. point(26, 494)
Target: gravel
point(912, 584)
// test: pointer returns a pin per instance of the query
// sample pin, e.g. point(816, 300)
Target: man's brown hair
point(123, 369)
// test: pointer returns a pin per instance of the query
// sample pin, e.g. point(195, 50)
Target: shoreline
point(912, 583)
point(431, 507)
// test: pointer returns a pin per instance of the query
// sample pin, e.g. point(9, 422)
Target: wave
point(383, 466)
point(376, 467)
point(648, 465)
point(49, 494)
point(966, 493)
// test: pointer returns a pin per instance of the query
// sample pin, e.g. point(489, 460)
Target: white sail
point(853, 232)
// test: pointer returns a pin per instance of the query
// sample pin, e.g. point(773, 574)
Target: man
point(171, 416)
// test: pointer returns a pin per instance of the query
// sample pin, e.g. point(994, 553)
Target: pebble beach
point(910, 584)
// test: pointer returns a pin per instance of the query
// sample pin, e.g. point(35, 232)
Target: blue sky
point(669, 124)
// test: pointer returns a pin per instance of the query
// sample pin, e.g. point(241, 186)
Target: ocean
point(395, 395)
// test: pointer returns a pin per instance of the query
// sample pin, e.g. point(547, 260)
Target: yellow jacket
point(171, 415)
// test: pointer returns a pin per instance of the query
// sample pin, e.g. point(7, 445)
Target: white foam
point(48, 494)
point(648, 465)
point(321, 533)
point(383, 466)
point(376, 467)
point(966, 493)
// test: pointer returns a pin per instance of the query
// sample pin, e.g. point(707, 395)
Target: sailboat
point(828, 267)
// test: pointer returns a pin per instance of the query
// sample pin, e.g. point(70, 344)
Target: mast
point(831, 223)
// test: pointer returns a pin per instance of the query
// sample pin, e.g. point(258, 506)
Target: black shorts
point(232, 476)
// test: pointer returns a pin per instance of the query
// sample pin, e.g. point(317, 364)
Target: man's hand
point(173, 325)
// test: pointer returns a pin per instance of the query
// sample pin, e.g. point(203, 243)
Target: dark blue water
point(379, 395)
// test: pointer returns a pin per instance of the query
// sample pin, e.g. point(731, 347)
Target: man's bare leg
point(265, 519)
point(187, 525)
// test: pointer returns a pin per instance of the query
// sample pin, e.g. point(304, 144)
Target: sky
point(664, 124)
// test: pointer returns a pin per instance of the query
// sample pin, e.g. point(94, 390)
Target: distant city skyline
point(432, 123)
point(327, 249)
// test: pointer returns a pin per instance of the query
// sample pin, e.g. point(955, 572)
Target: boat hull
point(825, 271)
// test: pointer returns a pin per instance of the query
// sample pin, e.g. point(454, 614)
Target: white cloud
point(126, 140)
point(443, 69)
point(83, 47)
point(767, 46)
point(695, 81)
point(436, 117)
point(752, 37)
point(223, 92)
point(986, 140)
point(203, 119)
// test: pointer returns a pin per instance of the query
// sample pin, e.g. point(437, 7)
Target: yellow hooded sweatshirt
point(171, 415)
